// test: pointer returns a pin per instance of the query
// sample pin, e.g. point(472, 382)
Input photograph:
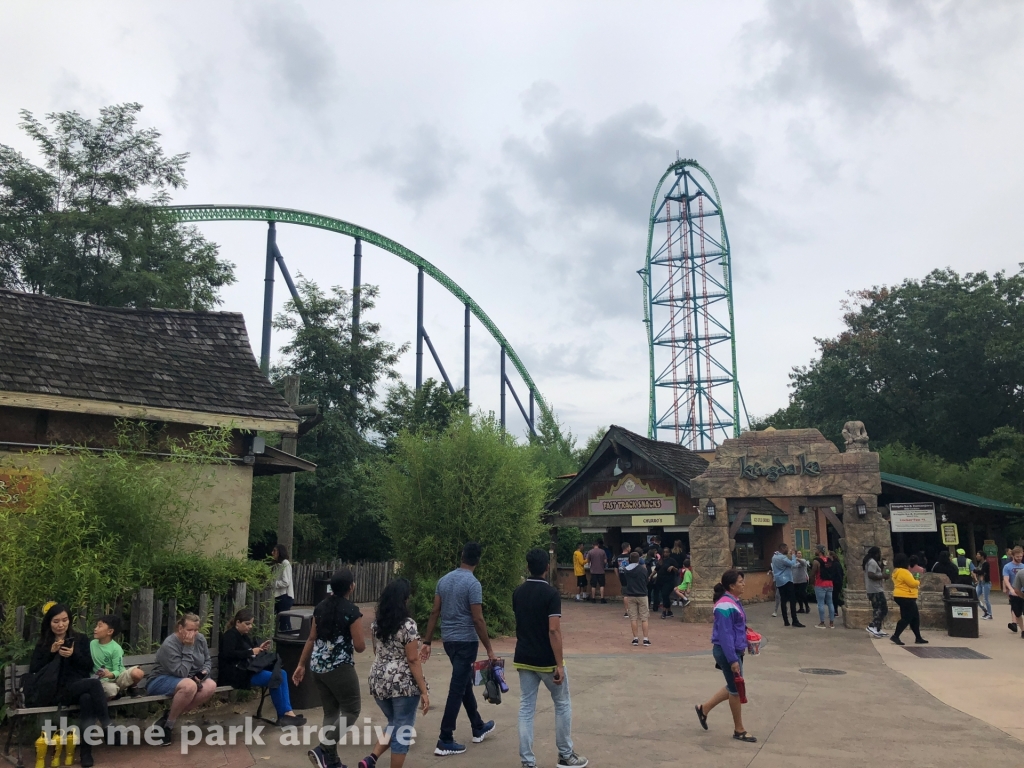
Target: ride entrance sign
point(913, 517)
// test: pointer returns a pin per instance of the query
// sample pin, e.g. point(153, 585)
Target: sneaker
point(577, 598)
point(670, 615)
point(165, 736)
point(1012, 626)
point(480, 735)
point(686, 601)
point(820, 626)
point(317, 758)
point(625, 615)
point(883, 634)
point(896, 640)
point(831, 625)
point(572, 759)
point(646, 641)
point(987, 616)
point(798, 624)
point(636, 641)
point(447, 748)
point(872, 631)
point(922, 641)
point(604, 601)
point(368, 762)
point(775, 615)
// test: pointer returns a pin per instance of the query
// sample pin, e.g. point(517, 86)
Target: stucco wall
point(222, 502)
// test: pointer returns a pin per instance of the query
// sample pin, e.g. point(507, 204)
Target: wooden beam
point(285, 427)
point(741, 516)
point(836, 522)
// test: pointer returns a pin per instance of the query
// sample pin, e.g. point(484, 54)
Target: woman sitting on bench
point(237, 648)
point(69, 681)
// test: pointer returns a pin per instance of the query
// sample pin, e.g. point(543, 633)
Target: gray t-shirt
point(459, 589)
point(176, 659)
point(1018, 582)
point(872, 586)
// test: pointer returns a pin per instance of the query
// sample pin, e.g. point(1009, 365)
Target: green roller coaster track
point(199, 213)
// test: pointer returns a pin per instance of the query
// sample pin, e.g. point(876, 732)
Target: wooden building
point(69, 371)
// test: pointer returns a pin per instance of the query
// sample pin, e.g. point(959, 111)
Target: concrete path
point(635, 706)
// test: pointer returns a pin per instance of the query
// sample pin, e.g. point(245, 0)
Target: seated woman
point(236, 649)
point(68, 651)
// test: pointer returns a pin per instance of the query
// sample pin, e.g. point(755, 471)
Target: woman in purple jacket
point(729, 643)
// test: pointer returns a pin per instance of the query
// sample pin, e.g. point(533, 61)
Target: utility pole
point(286, 504)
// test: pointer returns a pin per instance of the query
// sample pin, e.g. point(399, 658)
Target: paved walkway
point(635, 706)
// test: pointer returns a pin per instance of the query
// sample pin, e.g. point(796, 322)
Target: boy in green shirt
point(682, 592)
point(107, 659)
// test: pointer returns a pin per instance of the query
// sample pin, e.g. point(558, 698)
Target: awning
point(274, 461)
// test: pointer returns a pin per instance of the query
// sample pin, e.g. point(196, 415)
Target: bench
point(16, 709)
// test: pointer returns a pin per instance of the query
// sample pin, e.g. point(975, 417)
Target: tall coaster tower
point(687, 279)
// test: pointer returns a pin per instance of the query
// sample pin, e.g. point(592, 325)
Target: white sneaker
point(871, 631)
point(775, 615)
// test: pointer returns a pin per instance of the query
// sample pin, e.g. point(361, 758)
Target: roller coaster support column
point(466, 360)
point(268, 299)
point(419, 329)
point(357, 284)
point(502, 387)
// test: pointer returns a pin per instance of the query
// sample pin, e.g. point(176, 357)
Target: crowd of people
point(666, 576)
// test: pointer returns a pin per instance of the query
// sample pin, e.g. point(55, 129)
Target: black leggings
point(89, 695)
point(787, 596)
point(909, 616)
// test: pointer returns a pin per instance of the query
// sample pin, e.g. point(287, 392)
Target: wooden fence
point(147, 621)
point(370, 578)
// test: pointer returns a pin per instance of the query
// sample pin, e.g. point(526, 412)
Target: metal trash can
point(289, 648)
point(321, 585)
point(961, 605)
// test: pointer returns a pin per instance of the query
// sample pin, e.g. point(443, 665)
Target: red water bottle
point(741, 688)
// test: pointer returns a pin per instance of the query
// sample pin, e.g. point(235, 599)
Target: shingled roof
point(677, 462)
point(156, 358)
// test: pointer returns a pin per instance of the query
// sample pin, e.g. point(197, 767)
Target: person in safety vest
point(964, 568)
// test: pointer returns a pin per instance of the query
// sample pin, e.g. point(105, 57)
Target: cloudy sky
point(517, 147)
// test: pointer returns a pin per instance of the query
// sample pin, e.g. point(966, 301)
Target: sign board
point(950, 535)
point(777, 468)
point(643, 520)
point(962, 612)
point(631, 495)
point(915, 517)
point(990, 549)
point(760, 519)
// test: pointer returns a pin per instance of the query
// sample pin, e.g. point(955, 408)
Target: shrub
point(471, 482)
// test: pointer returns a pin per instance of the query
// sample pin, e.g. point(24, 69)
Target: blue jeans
point(984, 590)
point(460, 690)
point(282, 700)
point(529, 684)
point(824, 597)
point(400, 712)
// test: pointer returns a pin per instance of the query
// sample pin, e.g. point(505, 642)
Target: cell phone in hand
point(69, 642)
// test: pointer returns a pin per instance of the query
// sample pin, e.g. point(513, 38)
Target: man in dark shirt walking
point(538, 659)
point(598, 560)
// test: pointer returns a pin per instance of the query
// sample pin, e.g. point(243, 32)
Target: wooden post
point(19, 622)
point(237, 598)
point(215, 621)
point(143, 620)
point(204, 606)
point(133, 627)
point(158, 622)
point(172, 615)
point(286, 502)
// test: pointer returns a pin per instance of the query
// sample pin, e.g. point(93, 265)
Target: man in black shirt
point(538, 659)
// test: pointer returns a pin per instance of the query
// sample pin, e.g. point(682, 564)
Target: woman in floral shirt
point(335, 636)
point(396, 678)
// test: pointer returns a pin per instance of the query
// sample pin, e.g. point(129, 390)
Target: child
point(682, 592)
point(107, 657)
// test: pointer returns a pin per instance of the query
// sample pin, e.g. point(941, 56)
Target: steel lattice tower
point(689, 314)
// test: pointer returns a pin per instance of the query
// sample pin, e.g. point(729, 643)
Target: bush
point(471, 482)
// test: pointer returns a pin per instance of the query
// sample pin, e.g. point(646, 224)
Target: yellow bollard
point(58, 739)
point(69, 755)
point(42, 745)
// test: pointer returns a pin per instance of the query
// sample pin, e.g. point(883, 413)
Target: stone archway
point(794, 466)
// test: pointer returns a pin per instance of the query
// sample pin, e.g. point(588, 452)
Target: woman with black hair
point(873, 581)
point(396, 677)
point(904, 593)
point(728, 644)
point(335, 636)
point(284, 589)
point(71, 674)
point(237, 649)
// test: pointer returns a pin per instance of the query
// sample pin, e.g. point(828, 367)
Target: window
point(803, 539)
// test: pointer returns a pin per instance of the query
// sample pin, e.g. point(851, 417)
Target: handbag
point(261, 663)
point(39, 689)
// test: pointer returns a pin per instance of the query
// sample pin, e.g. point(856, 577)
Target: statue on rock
point(856, 437)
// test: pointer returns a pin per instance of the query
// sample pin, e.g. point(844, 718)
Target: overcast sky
point(517, 148)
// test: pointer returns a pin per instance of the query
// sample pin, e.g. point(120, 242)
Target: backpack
point(39, 689)
point(828, 571)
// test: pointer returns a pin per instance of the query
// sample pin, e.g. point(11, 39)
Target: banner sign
point(632, 495)
point(760, 519)
point(915, 517)
point(642, 520)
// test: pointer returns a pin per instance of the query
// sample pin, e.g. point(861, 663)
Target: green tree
point(334, 507)
point(87, 224)
point(472, 482)
point(937, 363)
point(429, 410)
